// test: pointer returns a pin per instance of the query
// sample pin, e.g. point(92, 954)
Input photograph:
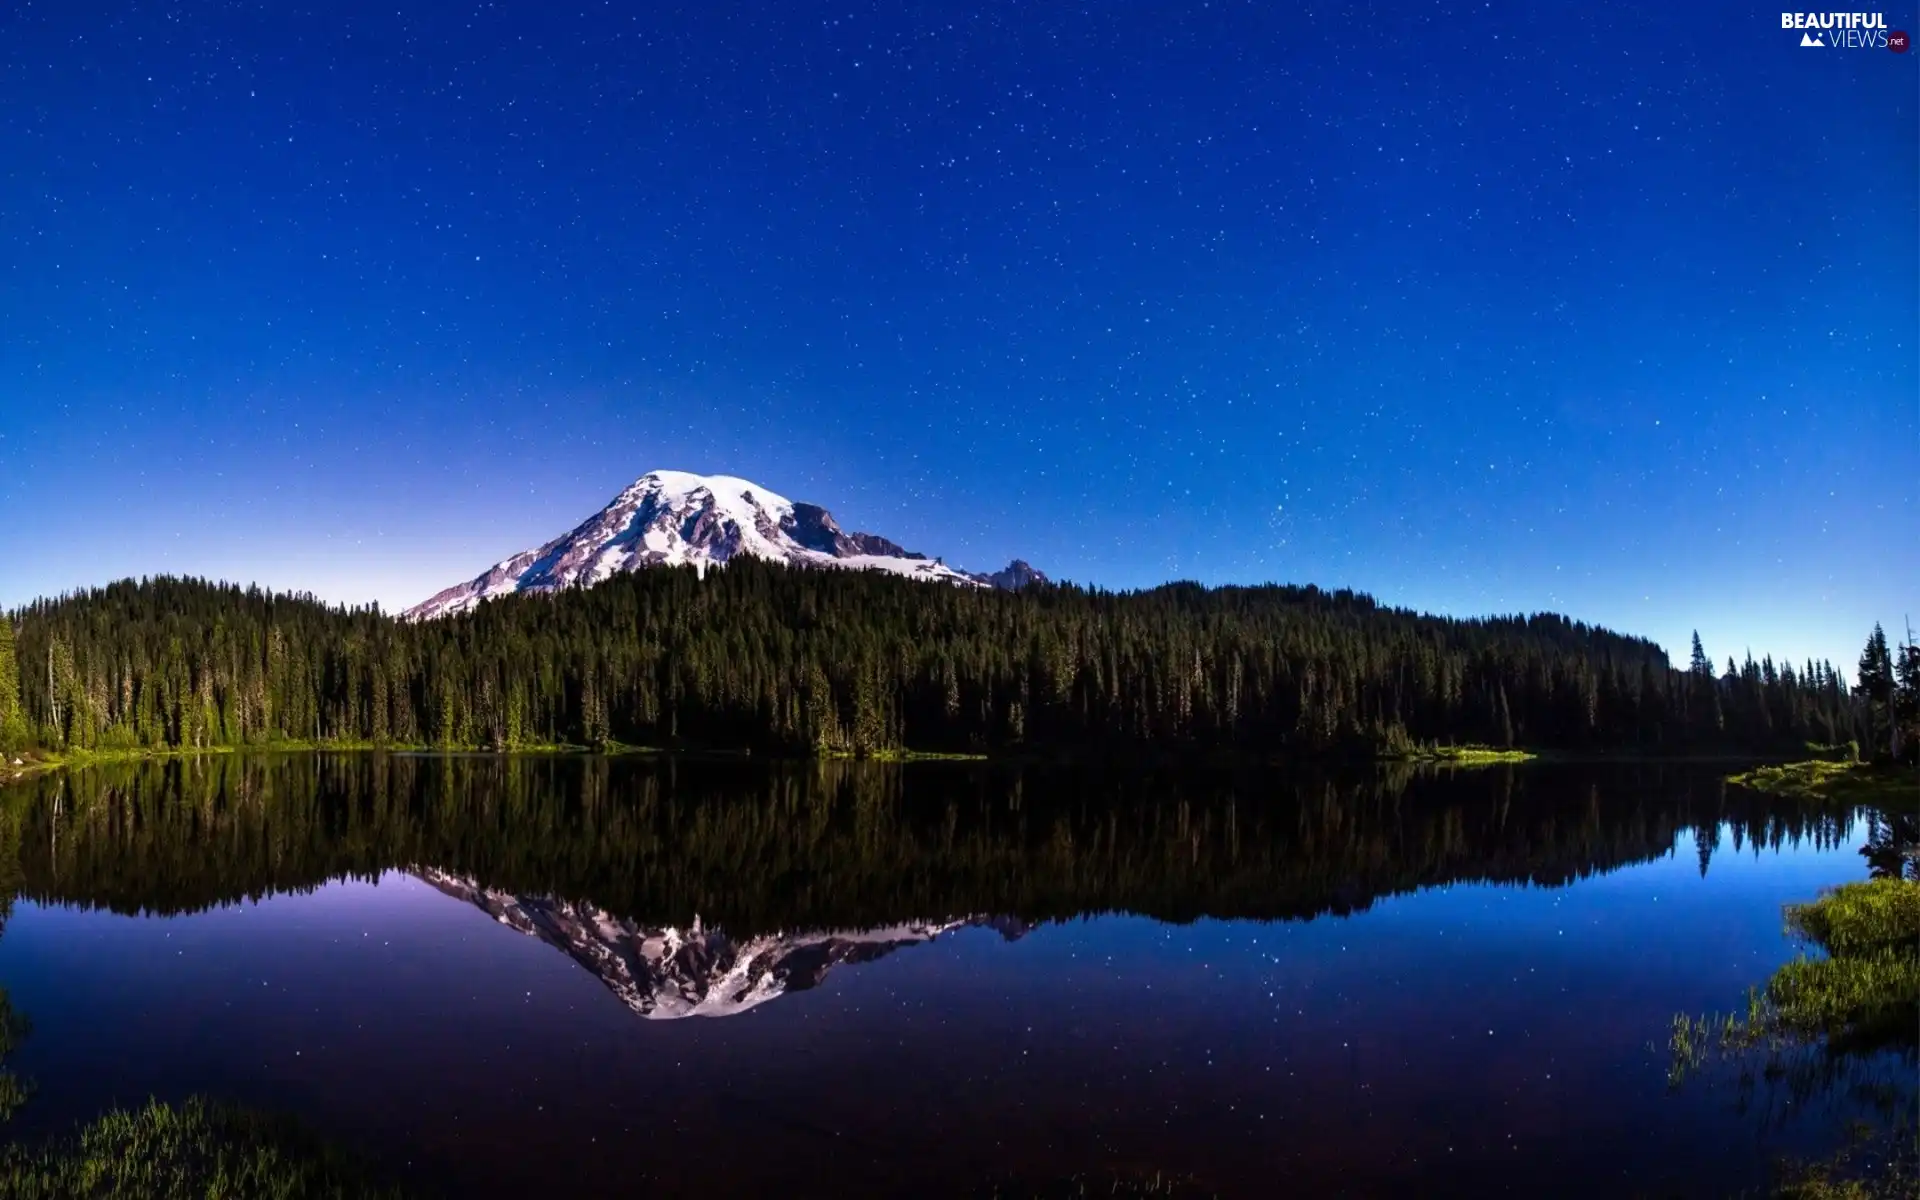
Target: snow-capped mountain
point(665, 972)
point(669, 518)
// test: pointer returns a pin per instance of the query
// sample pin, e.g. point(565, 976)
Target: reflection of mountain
point(663, 972)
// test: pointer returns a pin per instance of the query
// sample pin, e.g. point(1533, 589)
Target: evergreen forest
point(762, 658)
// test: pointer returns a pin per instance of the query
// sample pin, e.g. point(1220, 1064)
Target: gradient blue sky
point(1606, 309)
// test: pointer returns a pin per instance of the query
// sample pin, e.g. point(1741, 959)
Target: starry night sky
point(1606, 309)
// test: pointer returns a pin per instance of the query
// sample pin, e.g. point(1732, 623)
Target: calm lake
point(576, 976)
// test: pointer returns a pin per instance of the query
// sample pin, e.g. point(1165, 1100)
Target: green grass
point(1460, 756)
point(196, 1151)
point(1854, 1002)
point(1834, 780)
point(36, 761)
point(46, 760)
point(1815, 1184)
point(1861, 994)
point(1861, 918)
point(1867, 1169)
point(33, 762)
point(901, 756)
point(1866, 991)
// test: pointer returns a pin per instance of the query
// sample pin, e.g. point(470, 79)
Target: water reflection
point(663, 972)
point(981, 971)
point(756, 849)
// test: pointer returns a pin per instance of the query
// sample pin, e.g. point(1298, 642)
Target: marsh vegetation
point(1841, 1018)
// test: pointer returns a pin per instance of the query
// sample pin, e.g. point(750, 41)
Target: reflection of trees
point(1893, 844)
point(14, 1090)
point(1864, 1099)
point(759, 847)
point(13, 1026)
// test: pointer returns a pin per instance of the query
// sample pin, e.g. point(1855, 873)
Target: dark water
point(587, 977)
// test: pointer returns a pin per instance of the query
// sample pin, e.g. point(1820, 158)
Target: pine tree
point(1906, 701)
point(13, 718)
point(1876, 684)
point(1701, 666)
point(763, 657)
point(1708, 717)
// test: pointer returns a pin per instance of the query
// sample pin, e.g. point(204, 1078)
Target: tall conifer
point(13, 718)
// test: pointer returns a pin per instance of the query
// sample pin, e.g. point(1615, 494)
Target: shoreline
point(21, 765)
point(1827, 781)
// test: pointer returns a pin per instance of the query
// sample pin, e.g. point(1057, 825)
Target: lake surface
point(602, 977)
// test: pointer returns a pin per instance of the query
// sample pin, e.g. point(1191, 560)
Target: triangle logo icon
point(1807, 39)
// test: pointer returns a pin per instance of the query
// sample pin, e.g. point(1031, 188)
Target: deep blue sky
point(1608, 309)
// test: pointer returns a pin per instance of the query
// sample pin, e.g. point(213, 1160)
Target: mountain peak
point(675, 518)
point(1015, 575)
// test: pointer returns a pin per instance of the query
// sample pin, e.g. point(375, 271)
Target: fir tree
point(1906, 701)
point(1876, 684)
point(759, 656)
point(13, 719)
point(1701, 667)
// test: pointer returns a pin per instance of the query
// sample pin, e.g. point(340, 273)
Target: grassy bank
point(1820, 1022)
point(1836, 781)
point(902, 756)
point(28, 762)
point(1865, 993)
point(19, 764)
point(195, 1151)
point(34, 761)
point(1860, 994)
point(1460, 756)
point(1817, 779)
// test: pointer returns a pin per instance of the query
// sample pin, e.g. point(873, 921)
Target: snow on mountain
point(666, 972)
point(670, 518)
point(1015, 575)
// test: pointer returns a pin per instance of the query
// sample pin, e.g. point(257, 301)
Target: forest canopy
point(761, 657)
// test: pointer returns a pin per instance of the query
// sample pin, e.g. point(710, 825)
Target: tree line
point(761, 657)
